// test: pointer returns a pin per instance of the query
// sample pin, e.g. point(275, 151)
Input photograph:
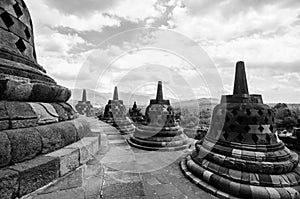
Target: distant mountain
point(100, 99)
point(196, 102)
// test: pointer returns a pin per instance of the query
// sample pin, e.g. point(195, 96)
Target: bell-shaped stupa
point(115, 115)
point(241, 156)
point(160, 130)
point(84, 107)
point(35, 118)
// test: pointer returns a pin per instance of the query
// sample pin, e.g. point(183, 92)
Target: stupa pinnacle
point(241, 156)
point(115, 114)
point(84, 107)
point(160, 132)
point(116, 94)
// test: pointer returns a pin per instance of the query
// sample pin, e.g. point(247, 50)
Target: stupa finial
point(116, 95)
point(240, 83)
point(159, 94)
point(84, 95)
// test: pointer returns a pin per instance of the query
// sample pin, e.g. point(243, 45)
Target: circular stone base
point(201, 184)
point(156, 148)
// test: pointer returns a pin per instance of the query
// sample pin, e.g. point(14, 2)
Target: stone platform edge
point(27, 179)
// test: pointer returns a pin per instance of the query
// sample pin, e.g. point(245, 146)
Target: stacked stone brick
point(35, 118)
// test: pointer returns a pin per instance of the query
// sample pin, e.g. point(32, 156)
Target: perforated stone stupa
point(241, 156)
point(115, 115)
point(160, 131)
point(84, 107)
point(34, 116)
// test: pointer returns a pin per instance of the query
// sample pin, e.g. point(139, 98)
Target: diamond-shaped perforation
point(266, 120)
point(20, 45)
point(271, 128)
point(254, 138)
point(27, 33)
point(225, 135)
point(239, 119)
point(247, 128)
point(7, 20)
point(261, 129)
point(270, 112)
point(260, 112)
point(232, 127)
point(268, 138)
point(234, 112)
point(240, 137)
point(248, 112)
point(18, 10)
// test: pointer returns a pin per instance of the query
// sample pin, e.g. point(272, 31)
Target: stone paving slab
point(120, 171)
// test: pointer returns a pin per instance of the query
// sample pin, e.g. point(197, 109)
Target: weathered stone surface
point(17, 91)
point(71, 180)
point(63, 95)
point(21, 114)
point(69, 159)
point(82, 128)
point(5, 150)
point(50, 109)
point(87, 146)
point(43, 93)
point(69, 109)
point(8, 184)
point(36, 173)
point(43, 115)
point(25, 144)
point(4, 118)
point(123, 190)
point(77, 193)
point(68, 130)
point(63, 114)
point(52, 138)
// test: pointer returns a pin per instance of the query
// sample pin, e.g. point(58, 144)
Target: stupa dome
point(17, 49)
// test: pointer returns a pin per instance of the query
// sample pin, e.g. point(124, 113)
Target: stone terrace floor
point(121, 171)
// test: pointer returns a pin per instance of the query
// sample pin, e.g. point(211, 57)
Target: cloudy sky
point(192, 45)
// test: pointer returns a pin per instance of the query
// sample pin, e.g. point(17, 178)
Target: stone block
point(8, 184)
point(68, 130)
point(63, 94)
point(79, 128)
point(43, 115)
point(36, 173)
point(62, 113)
point(71, 180)
point(69, 159)
point(21, 114)
point(69, 109)
point(17, 91)
point(43, 93)
point(52, 138)
point(87, 146)
point(25, 143)
point(77, 193)
point(5, 150)
point(50, 109)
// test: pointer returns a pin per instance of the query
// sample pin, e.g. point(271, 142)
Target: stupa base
point(216, 185)
point(158, 146)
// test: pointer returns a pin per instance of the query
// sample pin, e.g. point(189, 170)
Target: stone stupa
point(160, 130)
point(115, 115)
point(84, 107)
point(35, 118)
point(241, 156)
